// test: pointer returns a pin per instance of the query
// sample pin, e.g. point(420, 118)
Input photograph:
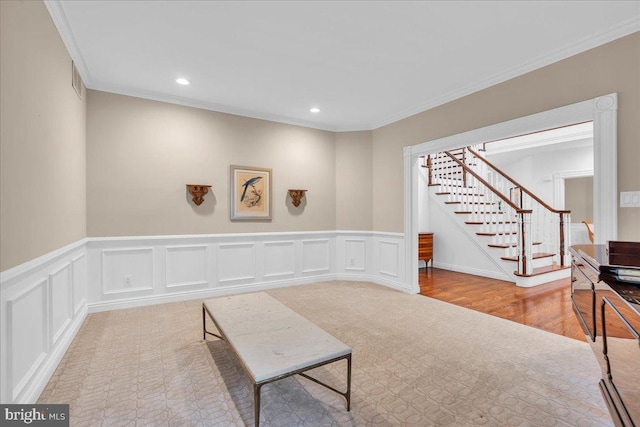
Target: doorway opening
point(601, 111)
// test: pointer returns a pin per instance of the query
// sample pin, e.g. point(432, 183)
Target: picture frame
point(250, 193)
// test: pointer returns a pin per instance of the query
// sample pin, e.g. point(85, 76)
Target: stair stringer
point(502, 267)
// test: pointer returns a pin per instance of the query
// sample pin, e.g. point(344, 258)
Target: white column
point(605, 170)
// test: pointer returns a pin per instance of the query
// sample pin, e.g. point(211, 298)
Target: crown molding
point(620, 30)
point(210, 106)
point(64, 29)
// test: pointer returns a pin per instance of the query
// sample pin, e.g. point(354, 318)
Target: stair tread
point(542, 270)
point(469, 203)
point(443, 193)
point(496, 234)
point(472, 203)
point(535, 256)
point(491, 222)
point(482, 213)
point(513, 245)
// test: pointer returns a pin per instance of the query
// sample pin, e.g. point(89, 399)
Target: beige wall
point(614, 67)
point(141, 153)
point(42, 139)
point(354, 206)
point(578, 198)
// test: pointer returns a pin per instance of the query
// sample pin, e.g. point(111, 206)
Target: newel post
point(525, 257)
point(565, 239)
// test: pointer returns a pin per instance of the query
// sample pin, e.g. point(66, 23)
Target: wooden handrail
point(495, 191)
point(517, 184)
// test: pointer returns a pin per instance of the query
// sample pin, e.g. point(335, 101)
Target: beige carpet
point(417, 362)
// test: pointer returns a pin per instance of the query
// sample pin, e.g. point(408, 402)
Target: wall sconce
point(198, 192)
point(296, 196)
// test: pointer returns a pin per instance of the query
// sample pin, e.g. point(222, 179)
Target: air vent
point(76, 80)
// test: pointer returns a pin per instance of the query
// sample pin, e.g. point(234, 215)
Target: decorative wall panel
point(127, 270)
point(61, 302)
point(27, 320)
point(236, 262)
point(279, 259)
point(315, 256)
point(355, 254)
point(186, 266)
point(388, 258)
point(79, 269)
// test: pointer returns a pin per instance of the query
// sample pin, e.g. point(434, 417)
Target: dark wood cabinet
point(425, 247)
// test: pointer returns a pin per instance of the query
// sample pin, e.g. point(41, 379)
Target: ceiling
point(363, 63)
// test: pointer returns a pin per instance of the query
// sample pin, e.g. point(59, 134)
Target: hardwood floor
point(546, 307)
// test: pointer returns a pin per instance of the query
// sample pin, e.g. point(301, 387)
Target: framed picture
point(250, 193)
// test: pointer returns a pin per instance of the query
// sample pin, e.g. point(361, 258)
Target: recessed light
point(182, 81)
point(314, 110)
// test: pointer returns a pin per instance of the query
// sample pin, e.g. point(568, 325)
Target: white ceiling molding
point(203, 105)
point(62, 24)
point(618, 31)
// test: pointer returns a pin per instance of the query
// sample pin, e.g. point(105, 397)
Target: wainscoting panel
point(61, 302)
point(127, 270)
point(44, 302)
point(79, 269)
point(315, 256)
point(236, 262)
point(279, 259)
point(186, 266)
point(28, 339)
point(388, 258)
point(355, 254)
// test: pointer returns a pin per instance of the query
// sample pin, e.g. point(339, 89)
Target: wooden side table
point(425, 247)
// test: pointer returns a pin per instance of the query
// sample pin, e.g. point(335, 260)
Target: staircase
point(525, 237)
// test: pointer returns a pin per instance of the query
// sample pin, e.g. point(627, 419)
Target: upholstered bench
point(273, 342)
